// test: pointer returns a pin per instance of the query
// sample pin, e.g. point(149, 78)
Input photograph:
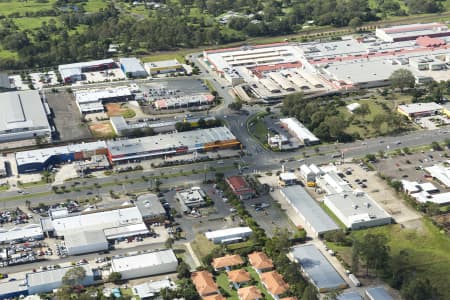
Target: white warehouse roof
point(97, 220)
point(145, 260)
point(415, 108)
point(25, 232)
point(356, 210)
point(223, 233)
point(300, 130)
point(441, 173)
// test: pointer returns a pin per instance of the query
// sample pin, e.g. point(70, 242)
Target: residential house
point(227, 261)
point(274, 283)
point(260, 262)
point(239, 277)
point(204, 283)
point(249, 293)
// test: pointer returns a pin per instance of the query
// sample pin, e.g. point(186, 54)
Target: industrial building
point(317, 268)
point(187, 101)
point(23, 116)
point(298, 130)
point(45, 158)
point(21, 234)
point(349, 296)
point(80, 242)
point(116, 223)
point(441, 173)
point(317, 68)
point(240, 187)
point(415, 110)
point(309, 210)
point(164, 67)
point(150, 208)
point(92, 100)
point(309, 173)
point(13, 289)
point(357, 210)
point(229, 235)
point(287, 179)
point(72, 73)
point(190, 198)
point(171, 144)
point(378, 293)
point(146, 264)
point(132, 67)
point(411, 32)
point(5, 82)
point(47, 281)
point(332, 184)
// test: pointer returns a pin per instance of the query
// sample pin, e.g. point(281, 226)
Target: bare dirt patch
point(101, 129)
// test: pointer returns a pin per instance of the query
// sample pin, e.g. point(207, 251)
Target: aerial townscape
point(212, 150)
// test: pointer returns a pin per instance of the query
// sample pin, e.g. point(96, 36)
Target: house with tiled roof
point(249, 293)
point(260, 262)
point(214, 297)
point(204, 283)
point(274, 283)
point(239, 277)
point(227, 261)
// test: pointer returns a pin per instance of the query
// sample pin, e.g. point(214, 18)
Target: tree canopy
point(402, 78)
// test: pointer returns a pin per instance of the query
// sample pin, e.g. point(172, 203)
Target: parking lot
point(410, 166)
point(378, 189)
point(217, 216)
point(163, 89)
point(67, 117)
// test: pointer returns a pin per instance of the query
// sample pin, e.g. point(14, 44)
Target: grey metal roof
point(4, 81)
point(84, 238)
point(149, 205)
point(54, 276)
point(350, 296)
point(317, 267)
point(11, 287)
point(310, 209)
point(41, 155)
point(191, 139)
point(378, 293)
point(22, 111)
point(131, 64)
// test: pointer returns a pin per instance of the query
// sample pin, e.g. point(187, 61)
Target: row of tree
point(175, 26)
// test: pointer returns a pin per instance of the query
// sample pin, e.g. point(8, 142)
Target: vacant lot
point(363, 124)
point(67, 118)
point(119, 109)
point(427, 250)
point(101, 130)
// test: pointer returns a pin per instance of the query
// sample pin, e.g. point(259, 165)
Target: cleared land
point(119, 109)
point(101, 130)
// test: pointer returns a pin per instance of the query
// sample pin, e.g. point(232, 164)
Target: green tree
point(402, 78)
point(419, 289)
point(355, 23)
point(436, 146)
point(236, 105)
point(310, 293)
point(183, 270)
point(373, 250)
point(115, 277)
point(363, 110)
point(74, 276)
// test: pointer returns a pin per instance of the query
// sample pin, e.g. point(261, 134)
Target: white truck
point(355, 280)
